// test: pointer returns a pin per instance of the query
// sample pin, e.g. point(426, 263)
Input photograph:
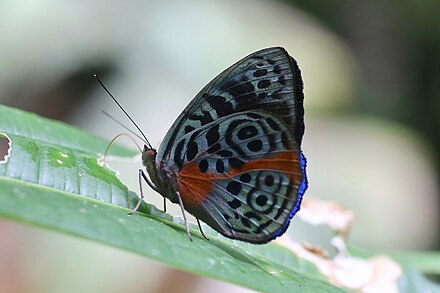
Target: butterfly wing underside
point(243, 175)
point(268, 79)
point(235, 149)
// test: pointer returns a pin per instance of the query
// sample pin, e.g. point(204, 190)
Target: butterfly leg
point(151, 184)
point(201, 231)
point(141, 198)
point(184, 217)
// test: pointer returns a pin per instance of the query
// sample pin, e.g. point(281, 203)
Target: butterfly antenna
point(123, 126)
point(123, 110)
point(113, 140)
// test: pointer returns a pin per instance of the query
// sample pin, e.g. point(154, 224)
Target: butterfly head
point(148, 157)
point(149, 161)
point(162, 182)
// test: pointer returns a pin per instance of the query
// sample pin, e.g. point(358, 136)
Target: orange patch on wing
point(195, 186)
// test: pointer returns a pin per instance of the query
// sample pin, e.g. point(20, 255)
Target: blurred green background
point(371, 71)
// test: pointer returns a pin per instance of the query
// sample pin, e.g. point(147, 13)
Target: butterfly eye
point(149, 152)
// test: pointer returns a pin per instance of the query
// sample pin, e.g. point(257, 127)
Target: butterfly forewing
point(268, 79)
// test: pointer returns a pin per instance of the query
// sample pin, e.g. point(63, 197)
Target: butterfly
point(232, 158)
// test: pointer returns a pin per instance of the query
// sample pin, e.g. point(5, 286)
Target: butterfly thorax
point(160, 179)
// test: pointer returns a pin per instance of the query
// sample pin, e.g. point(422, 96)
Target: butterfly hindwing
point(242, 174)
point(268, 79)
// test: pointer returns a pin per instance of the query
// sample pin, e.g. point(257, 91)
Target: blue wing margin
point(302, 189)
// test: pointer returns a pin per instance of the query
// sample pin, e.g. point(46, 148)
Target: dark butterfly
point(232, 158)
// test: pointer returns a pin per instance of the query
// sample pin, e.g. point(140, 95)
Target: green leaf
point(51, 154)
point(413, 281)
point(427, 262)
point(412, 263)
point(53, 180)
